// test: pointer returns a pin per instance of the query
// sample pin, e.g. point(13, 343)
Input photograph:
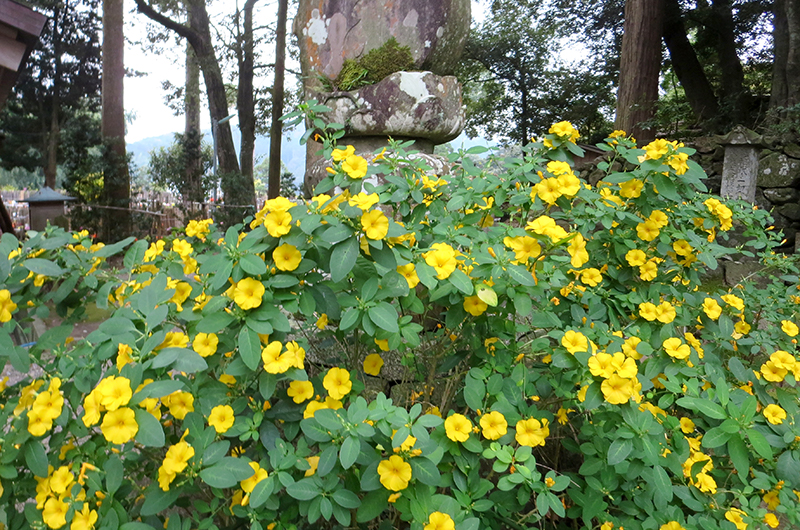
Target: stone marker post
point(740, 166)
point(423, 105)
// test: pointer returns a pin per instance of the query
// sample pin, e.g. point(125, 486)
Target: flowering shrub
point(572, 364)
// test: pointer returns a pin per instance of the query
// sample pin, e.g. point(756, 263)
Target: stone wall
point(777, 181)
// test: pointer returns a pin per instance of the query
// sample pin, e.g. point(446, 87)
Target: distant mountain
point(292, 153)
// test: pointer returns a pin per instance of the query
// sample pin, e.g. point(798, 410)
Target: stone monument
point(422, 103)
point(740, 165)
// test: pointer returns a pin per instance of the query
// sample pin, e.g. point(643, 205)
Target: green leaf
point(384, 257)
point(261, 492)
point(715, 437)
point(474, 392)
point(36, 458)
point(253, 265)
point(760, 444)
point(114, 473)
point(249, 347)
point(190, 362)
point(336, 233)
point(384, 316)
point(134, 525)
point(43, 266)
point(461, 281)
point(348, 453)
point(157, 389)
point(666, 187)
point(489, 297)
point(372, 505)
point(150, 433)
point(215, 322)
point(20, 357)
point(156, 501)
point(521, 275)
point(135, 255)
point(711, 410)
point(426, 274)
point(314, 431)
point(740, 456)
point(215, 452)
point(346, 499)
point(425, 471)
point(227, 473)
point(662, 487)
point(110, 250)
point(619, 450)
point(304, 489)
point(343, 259)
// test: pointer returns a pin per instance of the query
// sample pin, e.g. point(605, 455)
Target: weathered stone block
point(792, 150)
point(776, 170)
point(405, 104)
point(790, 211)
point(782, 195)
point(736, 271)
point(330, 31)
point(739, 172)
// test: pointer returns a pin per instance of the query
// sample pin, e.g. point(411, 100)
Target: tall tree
point(640, 65)
point(245, 97)
point(197, 32)
point(786, 67)
point(60, 85)
point(276, 130)
point(117, 186)
point(192, 190)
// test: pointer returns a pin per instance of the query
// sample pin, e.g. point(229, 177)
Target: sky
point(144, 97)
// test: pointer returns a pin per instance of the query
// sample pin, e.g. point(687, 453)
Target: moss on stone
point(374, 66)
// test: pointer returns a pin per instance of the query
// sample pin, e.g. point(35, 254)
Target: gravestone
point(740, 167)
point(423, 105)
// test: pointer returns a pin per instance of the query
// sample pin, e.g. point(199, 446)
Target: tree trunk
point(640, 64)
point(237, 190)
point(730, 66)
point(245, 100)
point(192, 189)
point(53, 137)
point(116, 179)
point(687, 67)
point(786, 66)
point(276, 129)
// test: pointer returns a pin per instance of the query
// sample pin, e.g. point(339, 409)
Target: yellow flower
point(575, 341)
point(656, 149)
point(790, 328)
point(7, 306)
point(442, 257)
point(648, 230)
point(300, 391)
point(773, 373)
point(205, 344)
point(676, 349)
point(123, 355)
point(565, 131)
point(278, 223)
point(602, 365)
point(577, 251)
point(774, 414)
point(549, 190)
point(629, 348)
point(648, 271)
point(712, 308)
point(532, 432)
point(114, 392)
point(631, 189)
point(39, 422)
point(457, 427)
point(364, 201)
point(54, 513)
point(287, 257)
point(221, 418)
point(119, 426)
point(672, 525)
point(373, 364)
point(409, 272)
point(440, 521)
point(734, 515)
point(84, 519)
point(274, 361)
point(591, 277)
point(312, 407)
point(524, 247)
point(355, 167)
point(383, 344)
point(375, 224)
point(494, 425)
point(706, 483)
point(395, 473)
point(248, 293)
point(337, 382)
point(259, 474)
point(474, 305)
point(340, 154)
point(771, 499)
point(648, 311)
point(771, 520)
point(313, 461)
point(636, 258)
point(179, 403)
point(617, 390)
point(687, 425)
point(322, 321)
point(182, 248)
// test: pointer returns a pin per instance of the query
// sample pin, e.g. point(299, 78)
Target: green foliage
point(169, 167)
point(374, 66)
point(567, 367)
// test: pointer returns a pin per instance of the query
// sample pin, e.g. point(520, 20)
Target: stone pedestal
point(740, 168)
point(423, 106)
